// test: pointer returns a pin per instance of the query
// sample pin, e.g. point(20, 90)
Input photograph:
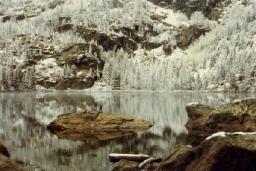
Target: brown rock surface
point(151, 45)
point(187, 35)
point(3, 150)
point(125, 165)
point(83, 126)
point(6, 164)
point(233, 152)
point(230, 153)
point(20, 17)
point(189, 7)
point(6, 18)
point(232, 117)
point(74, 83)
point(64, 27)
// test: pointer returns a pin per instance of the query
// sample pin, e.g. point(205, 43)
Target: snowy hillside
point(223, 59)
point(128, 44)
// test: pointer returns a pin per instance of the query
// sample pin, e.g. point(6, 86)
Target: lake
point(24, 117)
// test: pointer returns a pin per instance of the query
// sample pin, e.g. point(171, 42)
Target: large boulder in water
point(100, 126)
point(229, 152)
point(233, 117)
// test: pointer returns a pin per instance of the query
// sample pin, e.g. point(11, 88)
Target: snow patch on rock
point(224, 134)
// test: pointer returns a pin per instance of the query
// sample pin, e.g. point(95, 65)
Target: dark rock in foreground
point(125, 165)
point(100, 126)
point(229, 153)
point(6, 164)
point(234, 117)
point(4, 151)
point(232, 152)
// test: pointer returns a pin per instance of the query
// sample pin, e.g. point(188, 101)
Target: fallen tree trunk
point(130, 157)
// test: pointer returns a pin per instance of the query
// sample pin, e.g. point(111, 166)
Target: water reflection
point(24, 117)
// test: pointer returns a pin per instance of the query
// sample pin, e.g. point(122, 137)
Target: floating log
point(114, 157)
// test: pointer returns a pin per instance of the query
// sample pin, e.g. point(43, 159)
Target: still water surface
point(24, 117)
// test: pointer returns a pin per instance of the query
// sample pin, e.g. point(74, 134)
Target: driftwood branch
point(144, 159)
point(131, 157)
point(148, 161)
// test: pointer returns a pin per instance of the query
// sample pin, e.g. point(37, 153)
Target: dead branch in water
point(148, 161)
point(131, 157)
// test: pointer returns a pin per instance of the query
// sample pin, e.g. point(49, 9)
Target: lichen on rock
point(232, 117)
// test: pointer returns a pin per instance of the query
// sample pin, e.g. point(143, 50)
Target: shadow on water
point(24, 117)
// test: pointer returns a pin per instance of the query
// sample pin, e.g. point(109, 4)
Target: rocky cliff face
point(208, 7)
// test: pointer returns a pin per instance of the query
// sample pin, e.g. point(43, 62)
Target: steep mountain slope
point(223, 59)
point(127, 44)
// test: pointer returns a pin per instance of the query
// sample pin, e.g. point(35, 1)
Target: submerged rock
point(232, 117)
point(100, 126)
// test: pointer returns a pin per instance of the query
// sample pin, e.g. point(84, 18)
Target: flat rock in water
point(232, 117)
point(99, 126)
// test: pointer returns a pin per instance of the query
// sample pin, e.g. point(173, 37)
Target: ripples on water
point(24, 117)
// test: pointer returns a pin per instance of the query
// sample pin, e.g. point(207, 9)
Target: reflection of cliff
point(50, 105)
